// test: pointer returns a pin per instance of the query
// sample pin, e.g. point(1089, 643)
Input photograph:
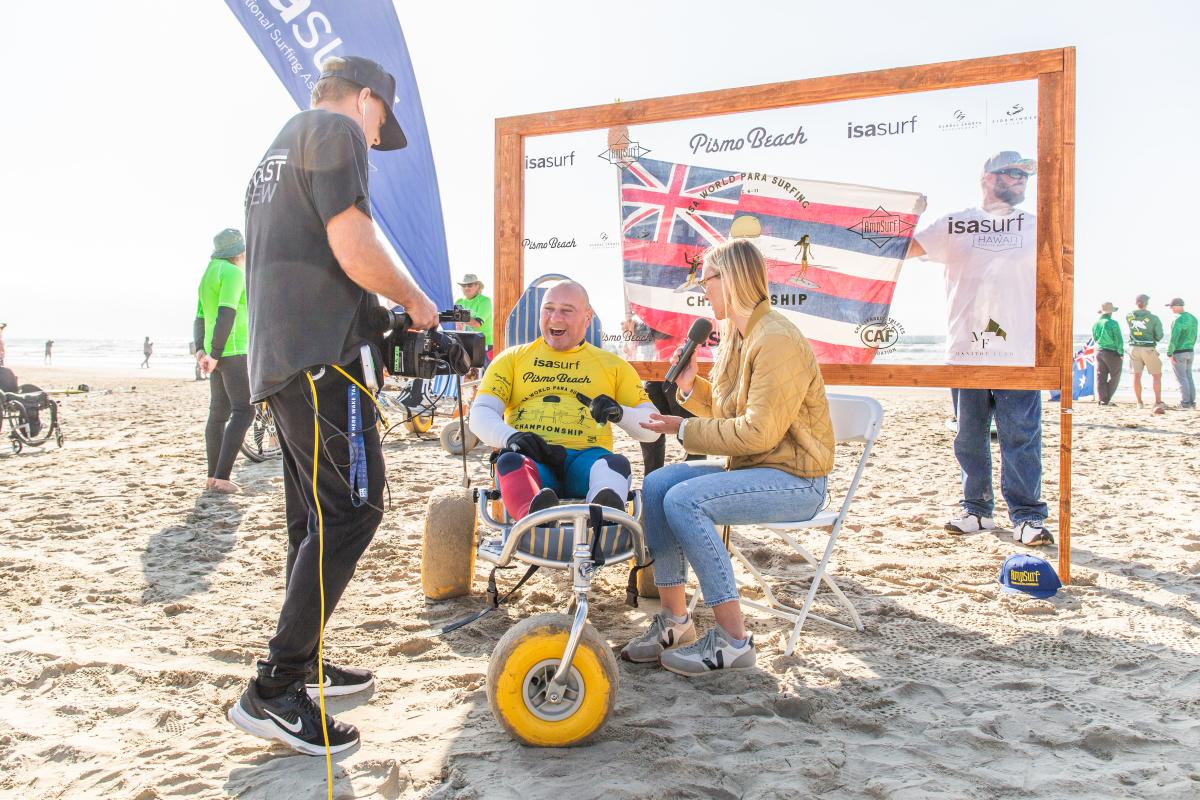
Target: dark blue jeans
point(1018, 415)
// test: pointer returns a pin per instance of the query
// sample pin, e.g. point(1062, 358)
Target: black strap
point(493, 595)
point(631, 594)
point(596, 512)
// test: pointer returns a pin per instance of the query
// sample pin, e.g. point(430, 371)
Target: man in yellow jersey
point(548, 405)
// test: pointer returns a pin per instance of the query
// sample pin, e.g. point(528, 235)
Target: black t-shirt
point(303, 309)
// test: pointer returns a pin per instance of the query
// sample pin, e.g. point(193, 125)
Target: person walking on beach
point(220, 335)
point(1145, 332)
point(49, 347)
point(1180, 349)
point(983, 286)
point(147, 351)
point(314, 268)
point(1110, 351)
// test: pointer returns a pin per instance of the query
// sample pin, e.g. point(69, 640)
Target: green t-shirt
point(479, 306)
point(224, 284)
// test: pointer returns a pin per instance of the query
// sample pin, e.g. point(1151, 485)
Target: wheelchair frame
point(581, 564)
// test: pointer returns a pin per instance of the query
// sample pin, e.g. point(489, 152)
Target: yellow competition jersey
point(537, 386)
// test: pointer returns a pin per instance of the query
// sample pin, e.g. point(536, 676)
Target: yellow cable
point(370, 395)
point(321, 582)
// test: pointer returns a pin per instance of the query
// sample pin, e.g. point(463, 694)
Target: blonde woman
point(764, 407)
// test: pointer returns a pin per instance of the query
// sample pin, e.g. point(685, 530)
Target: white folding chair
point(855, 419)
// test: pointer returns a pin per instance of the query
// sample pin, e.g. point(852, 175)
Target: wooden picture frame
point(1054, 71)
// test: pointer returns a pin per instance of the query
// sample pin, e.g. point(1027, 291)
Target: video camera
point(423, 354)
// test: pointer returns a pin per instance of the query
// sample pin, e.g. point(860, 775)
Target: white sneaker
point(662, 635)
point(712, 652)
point(970, 523)
point(1032, 534)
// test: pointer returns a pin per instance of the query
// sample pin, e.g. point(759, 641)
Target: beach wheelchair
point(552, 679)
point(22, 412)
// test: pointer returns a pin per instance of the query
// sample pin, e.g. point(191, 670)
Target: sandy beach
point(134, 606)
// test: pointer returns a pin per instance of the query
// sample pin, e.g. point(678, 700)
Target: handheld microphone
point(697, 336)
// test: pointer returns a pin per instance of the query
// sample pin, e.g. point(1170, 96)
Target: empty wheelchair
point(23, 414)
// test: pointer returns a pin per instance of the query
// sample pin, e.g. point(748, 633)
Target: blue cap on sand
point(1029, 574)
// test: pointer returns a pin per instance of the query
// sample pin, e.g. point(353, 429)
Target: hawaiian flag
point(833, 250)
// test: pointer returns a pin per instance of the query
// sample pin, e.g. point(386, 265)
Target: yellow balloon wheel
point(519, 672)
point(419, 424)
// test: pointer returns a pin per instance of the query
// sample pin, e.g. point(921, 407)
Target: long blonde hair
point(743, 286)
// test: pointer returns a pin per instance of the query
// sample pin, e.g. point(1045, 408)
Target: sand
point(134, 607)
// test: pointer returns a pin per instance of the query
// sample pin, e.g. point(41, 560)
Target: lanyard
point(358, 451)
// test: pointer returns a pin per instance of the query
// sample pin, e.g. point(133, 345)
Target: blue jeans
point(1182, 364)
point(1018, 415)
point(683, 504)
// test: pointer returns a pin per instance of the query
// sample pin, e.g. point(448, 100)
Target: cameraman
point(314, 267)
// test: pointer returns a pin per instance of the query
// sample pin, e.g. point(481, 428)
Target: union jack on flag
point(833, 250)
point(1086, 355)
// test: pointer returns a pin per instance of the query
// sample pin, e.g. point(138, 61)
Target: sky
point(133, 126)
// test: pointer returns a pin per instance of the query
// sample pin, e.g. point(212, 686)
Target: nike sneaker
point(339, 681)
point(292, 718)
point(662, 635)
point(1033, 534)
point(713, 652)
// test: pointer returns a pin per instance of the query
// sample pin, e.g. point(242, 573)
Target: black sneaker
point(609, 498)
point(339, 681)
point(546, 498)
point(292, 718)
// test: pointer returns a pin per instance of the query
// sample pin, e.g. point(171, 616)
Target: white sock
point(678, 620)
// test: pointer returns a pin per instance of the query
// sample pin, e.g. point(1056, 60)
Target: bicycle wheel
point(262, 441)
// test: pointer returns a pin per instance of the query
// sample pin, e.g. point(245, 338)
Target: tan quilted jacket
point(767, 407)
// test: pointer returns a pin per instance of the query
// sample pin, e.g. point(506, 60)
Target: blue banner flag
point(295, 36)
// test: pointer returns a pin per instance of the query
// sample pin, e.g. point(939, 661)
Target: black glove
point(537, 448)
point(603, 408)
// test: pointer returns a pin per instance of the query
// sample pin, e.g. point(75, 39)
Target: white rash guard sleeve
point(487, 421)
point(632, 419)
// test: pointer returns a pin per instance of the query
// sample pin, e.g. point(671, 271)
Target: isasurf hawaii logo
point(880, 333)
point(995, 235)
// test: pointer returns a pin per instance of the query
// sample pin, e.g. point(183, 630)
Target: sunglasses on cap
point(1012, 173)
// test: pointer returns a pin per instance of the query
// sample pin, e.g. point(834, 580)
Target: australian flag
point(1083, 374)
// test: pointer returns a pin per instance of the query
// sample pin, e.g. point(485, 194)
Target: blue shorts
point(577, 469)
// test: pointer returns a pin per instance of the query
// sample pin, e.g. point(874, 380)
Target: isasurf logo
point(879, 333)
point(859, 130)
point(549, 162)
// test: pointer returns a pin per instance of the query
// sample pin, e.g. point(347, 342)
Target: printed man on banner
point(989, 255)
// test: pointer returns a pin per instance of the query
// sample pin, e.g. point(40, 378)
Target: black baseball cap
point(365, 72)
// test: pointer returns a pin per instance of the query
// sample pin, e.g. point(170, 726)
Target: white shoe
point(1032, 534)
point(970, 523)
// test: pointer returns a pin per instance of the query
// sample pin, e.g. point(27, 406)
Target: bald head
point(566, 315)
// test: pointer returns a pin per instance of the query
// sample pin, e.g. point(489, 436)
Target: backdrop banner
point(295, 36)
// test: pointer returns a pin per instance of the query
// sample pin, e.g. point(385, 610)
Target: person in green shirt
point(480, 306)
point(1145, 332)
point(1180, 351)
point(221, 337)
point(1109, 352)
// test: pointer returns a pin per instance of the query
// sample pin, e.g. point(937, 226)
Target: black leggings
point(229, 415)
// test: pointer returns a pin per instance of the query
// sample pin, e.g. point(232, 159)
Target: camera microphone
point(697, 336)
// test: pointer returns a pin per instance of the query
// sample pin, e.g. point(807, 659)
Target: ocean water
point(172, 358)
